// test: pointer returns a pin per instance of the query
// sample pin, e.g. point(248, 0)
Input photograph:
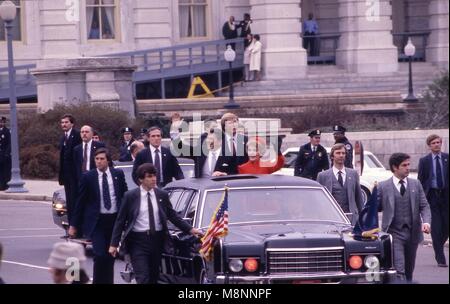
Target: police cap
point(337, 128)
point(144, 131)
point(3, 118)
point(127, 130)
point(314, 133)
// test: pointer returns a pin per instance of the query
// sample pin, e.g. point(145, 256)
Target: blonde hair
point(259, 143)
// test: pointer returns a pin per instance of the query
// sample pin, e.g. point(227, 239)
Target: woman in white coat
point(255, 58)
point(248, 43)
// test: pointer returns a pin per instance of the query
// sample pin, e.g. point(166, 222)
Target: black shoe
point(442, 265)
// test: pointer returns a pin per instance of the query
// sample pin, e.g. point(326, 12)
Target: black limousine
point(282, 229)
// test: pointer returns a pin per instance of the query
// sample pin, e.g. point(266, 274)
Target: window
point(100, 19)
point(16, 24)
point(192, 18)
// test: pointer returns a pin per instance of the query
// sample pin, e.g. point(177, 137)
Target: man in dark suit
point(406, 214)
point(67, 174)
point(142, 226)
point(125, 154)
point(233, 143)
point(100, 195)
point(83, 154)
point(340, 138)
point(343, 183)
point(5, 154)
point(312, 157)
point(433, 174)
point(165, 163)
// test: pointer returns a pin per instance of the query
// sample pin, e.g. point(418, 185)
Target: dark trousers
point(103, 261)
point(71, 190)
point(439, 223)
point(310, 42)
point(405, 252)
point(5, 172)
point(145, 253)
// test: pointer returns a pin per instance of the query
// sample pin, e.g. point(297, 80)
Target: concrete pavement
point(38, 190)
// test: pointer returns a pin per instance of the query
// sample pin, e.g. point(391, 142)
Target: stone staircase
point(331, 79)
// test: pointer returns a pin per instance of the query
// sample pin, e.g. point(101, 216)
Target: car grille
point(304, 261)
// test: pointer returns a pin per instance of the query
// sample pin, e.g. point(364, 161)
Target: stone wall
point(382, 143)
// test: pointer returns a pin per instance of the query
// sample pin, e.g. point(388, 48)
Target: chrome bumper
point(358, 277)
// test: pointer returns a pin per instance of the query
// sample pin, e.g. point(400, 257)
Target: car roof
point(242, 180)
point(295, 149)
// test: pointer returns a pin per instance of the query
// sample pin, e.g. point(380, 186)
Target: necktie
point(233, 148)
point(65, 138)
point(151, 216)
point(157, 164)
point(84, 165)
point(105, 189)
point(340, 180)
point(212, 162)
point(402, 187)
point(440, 183)
point(314, 149)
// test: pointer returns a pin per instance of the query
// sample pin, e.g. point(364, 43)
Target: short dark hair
point(432, 137)
point(145, 169)
point(396, 159)
point(256, 36)
point(108, 155)
point(70, 117)
point(153, 129)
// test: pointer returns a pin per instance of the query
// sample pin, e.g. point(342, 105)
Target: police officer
point(312, 157)
point(125, 154)
point(339, 137)
point(5, 154)
point(144, 137)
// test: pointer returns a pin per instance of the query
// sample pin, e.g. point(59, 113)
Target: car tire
point(365, 193)
point(202, 278)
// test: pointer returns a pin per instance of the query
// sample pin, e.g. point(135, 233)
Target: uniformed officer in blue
point(339, 137)
point(125, 153)
point(5, 154)
point(312, 157)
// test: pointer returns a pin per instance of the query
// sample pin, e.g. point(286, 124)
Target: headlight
point(355, 262)
point(235, 265)
point(251, 265)
point(371, 262)
point(59, 206)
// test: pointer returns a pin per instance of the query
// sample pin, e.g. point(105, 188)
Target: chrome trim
point(269, 278)
point(306, 249)
point(336, 205)
point(392, 250)
point(221, 255)
point(287, 221)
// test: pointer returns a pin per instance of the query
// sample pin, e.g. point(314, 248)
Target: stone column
point(97, 80)
point(437, 48)
point(278, 24)
point(366, 44)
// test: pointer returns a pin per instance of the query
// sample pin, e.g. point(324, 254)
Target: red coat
point(254, 167)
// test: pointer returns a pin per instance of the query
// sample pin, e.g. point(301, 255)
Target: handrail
point(19, 67)
point(330, 54)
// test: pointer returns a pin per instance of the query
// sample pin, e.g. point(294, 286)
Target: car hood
point(295, 234)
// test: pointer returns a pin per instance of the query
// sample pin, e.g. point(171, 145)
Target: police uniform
point(309, 163)
point(348, 146)
point(145, 142)
point(125, 153)
point(5, 156)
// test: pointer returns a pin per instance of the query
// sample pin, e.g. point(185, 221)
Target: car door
point(178, 267)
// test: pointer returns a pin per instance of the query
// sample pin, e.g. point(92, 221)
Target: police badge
point(348, 147)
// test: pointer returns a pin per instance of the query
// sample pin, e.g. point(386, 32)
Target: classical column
point(99, 80)
point(437, 48)
point(366, 44)
point(278, 24)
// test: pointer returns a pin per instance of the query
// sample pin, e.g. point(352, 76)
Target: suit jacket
point(171, 168)
point(419, 206)
point(351, 183)
point(66, 163)
point(241, 151)
point(426, 172)
point(125, 154)
point(5, 144)
point(87, 207)
point(129, 211)
point(309, 164)
point(78, 157)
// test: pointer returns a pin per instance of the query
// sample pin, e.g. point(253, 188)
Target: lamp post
point(230, 55)
point(410, 49)
point(8, 14)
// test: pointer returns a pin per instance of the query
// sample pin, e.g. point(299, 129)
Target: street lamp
point(230, 55)
point(410, 49)
point(8, 14)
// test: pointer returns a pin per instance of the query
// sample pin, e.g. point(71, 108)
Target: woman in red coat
point(256, 148)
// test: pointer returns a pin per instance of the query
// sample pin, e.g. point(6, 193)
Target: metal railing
point(158, 64)
point(419, 39)
point(324, 51)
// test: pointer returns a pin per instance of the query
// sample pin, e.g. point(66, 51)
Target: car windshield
point(372, 162)
point(272, 204)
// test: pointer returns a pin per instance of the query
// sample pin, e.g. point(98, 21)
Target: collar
point(89, 143)
point(436, 154)
point(153, 149)
point(100, 173)
point(68, 132)
point(144, 192)
point(396, 180)
point(336, 170)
